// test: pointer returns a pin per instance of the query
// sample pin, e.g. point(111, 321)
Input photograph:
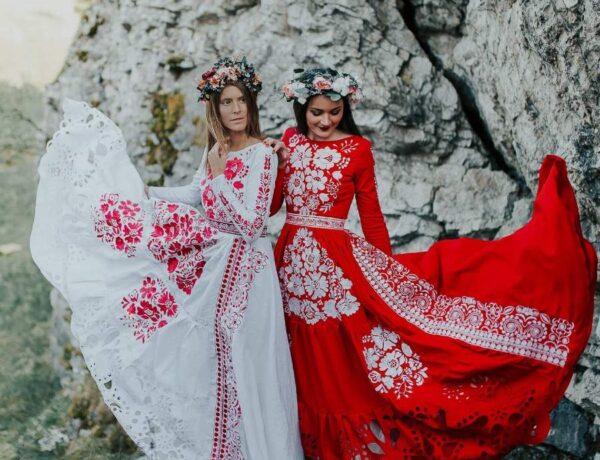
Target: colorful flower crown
point(327, 82)
point(225, 71)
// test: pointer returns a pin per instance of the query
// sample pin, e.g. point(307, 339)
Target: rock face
point(463, 100)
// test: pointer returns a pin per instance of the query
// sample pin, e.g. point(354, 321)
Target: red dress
point(458, 352)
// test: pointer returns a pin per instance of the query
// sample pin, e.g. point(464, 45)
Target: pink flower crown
point(225, 71)
point(327, 82)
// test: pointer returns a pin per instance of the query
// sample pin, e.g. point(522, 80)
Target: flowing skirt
point(181, 325)
point(459, 352)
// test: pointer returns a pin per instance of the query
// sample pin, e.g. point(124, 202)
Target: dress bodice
point(321, 178)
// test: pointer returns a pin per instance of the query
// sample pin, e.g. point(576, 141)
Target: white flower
point(301, 156)
point(326, 157)
point(316, 285)
point(341, 85)
point(295, 285)
point(296, 183)
point(384, 339)
point(392, 363)
point(312, 259)
point(310, 313)
point(371, 357)
point(315, 181)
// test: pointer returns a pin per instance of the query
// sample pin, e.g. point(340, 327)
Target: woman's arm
point(249, 217)
point(367, 202)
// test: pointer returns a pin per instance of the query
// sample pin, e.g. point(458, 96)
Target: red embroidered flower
point(148, 288)
point(232, 168)
point(129, 208)
point(147, 315)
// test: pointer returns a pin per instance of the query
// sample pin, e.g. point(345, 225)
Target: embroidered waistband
point(315, 221)
point(228, 227)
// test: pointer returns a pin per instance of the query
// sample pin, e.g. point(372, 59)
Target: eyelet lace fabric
point(144, 278)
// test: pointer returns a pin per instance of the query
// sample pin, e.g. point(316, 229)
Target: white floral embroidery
point(314, 174)
point(393, 365)
point(517, 330)
point(314, 288)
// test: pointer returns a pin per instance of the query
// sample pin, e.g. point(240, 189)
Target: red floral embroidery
point(253, 223)
point(235, 167)
point(149, 308)
point(179, 237)
point(119, 223)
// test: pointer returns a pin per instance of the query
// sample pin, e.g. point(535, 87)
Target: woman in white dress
point(176, 303)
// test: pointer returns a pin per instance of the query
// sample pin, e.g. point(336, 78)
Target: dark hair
point(346, 125)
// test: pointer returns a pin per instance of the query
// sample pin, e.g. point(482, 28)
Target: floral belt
point(315, 221)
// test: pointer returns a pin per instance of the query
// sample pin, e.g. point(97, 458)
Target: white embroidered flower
point(301, 156)
point(315, 181)
point(371, 358)
point(316, 285)
point(296, 184)
point(392, 363)
point(348, 305)
point(330, 309)
point(296, 285)
point(511, 326)
point(535, 330)
point(383, 338)
point(312, 259)
point(294, 305)
point(326, 158)
point(456, 314)
point(309, 311)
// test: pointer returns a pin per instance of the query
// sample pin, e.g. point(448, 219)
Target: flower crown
point(225, 71)
point(327, 82)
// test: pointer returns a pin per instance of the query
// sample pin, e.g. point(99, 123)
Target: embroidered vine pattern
point(148, 308)
point(313, 287)
point(118, 223)
point(243, 263)
point(516, 330)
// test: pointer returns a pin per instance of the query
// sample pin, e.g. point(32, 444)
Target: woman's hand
point(217, 157)
point(283, 154)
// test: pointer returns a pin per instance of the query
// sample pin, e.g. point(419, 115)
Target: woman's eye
point(316, 113)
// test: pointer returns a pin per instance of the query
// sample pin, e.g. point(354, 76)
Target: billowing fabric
point(177, 310)
point(459, 352)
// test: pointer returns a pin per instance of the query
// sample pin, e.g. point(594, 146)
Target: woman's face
point(323, 117)
point(233, 109)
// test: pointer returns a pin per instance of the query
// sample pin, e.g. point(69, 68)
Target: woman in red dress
point(458, 352)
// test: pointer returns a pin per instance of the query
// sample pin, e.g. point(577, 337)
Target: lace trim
point(516, 330)
point(315, 221)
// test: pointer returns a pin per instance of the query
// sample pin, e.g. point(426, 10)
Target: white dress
point(177, 310)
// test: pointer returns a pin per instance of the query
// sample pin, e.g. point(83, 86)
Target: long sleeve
point(367, 202)
point(250, 216)
point(277, 201)
point(188, 194)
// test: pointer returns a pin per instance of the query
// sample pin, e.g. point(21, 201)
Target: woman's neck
point(238, 140)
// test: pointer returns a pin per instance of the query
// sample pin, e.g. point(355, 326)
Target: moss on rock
point(167, 110)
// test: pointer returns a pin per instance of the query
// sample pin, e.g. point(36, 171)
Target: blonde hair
point(217, 133)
